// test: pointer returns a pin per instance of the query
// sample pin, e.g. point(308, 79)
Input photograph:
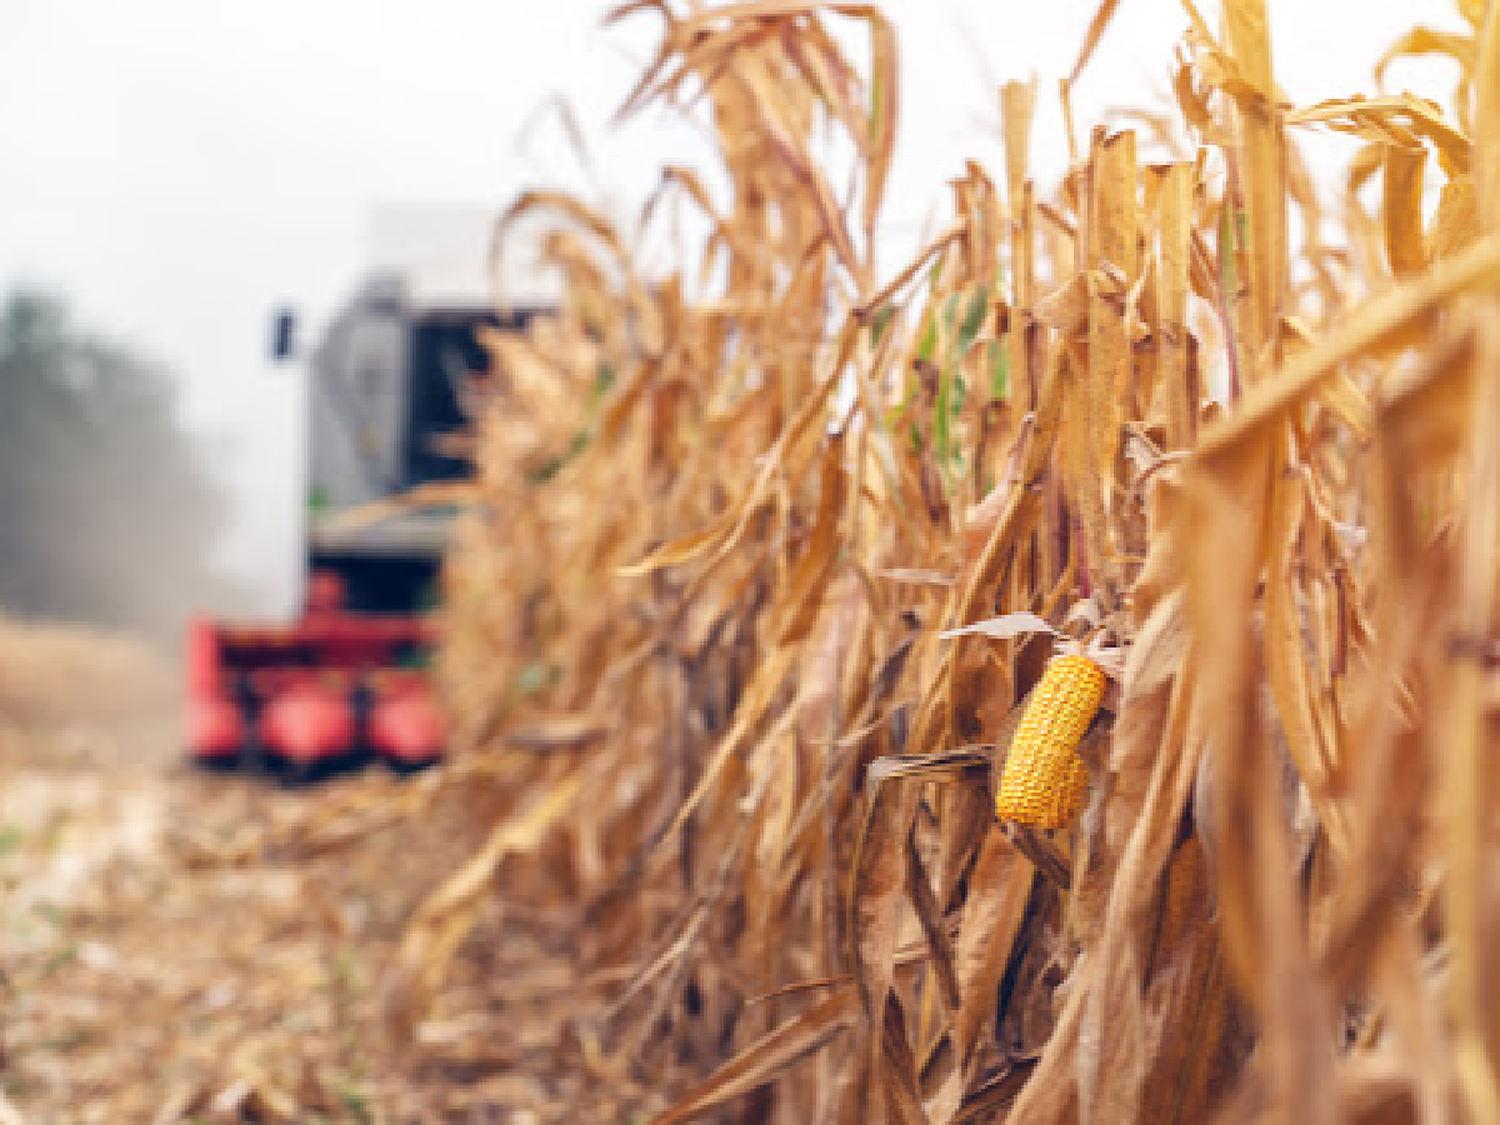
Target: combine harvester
point(347, 682)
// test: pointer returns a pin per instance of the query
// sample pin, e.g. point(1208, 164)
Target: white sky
point(178, 167)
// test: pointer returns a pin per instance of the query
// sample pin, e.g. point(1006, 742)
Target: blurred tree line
point(108, 513)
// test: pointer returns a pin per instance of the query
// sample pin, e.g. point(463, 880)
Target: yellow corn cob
point(1045, 780)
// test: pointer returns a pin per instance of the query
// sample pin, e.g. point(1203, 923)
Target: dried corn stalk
point(726, 516)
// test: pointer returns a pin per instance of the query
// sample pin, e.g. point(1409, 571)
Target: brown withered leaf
point(1402, 210)
point(446, 917)
point(1455, 223)
point(1000, 888)
point(877, 892)
point(769, 1057)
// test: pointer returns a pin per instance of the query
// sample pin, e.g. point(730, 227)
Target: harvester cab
point(347, 680)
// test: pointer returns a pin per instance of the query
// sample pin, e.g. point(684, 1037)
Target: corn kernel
point(1045, 781)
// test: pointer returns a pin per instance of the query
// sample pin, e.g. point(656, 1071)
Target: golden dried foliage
point(708, 635)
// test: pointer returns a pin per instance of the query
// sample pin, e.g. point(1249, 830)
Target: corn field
point(767, 553)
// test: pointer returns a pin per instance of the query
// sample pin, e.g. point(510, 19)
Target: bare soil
point(163, 966)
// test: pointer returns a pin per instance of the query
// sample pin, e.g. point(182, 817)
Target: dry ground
point(162, 960)
point(181, 946)
point(162, 965)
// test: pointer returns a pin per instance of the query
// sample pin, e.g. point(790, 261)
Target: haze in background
point(178, 168)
